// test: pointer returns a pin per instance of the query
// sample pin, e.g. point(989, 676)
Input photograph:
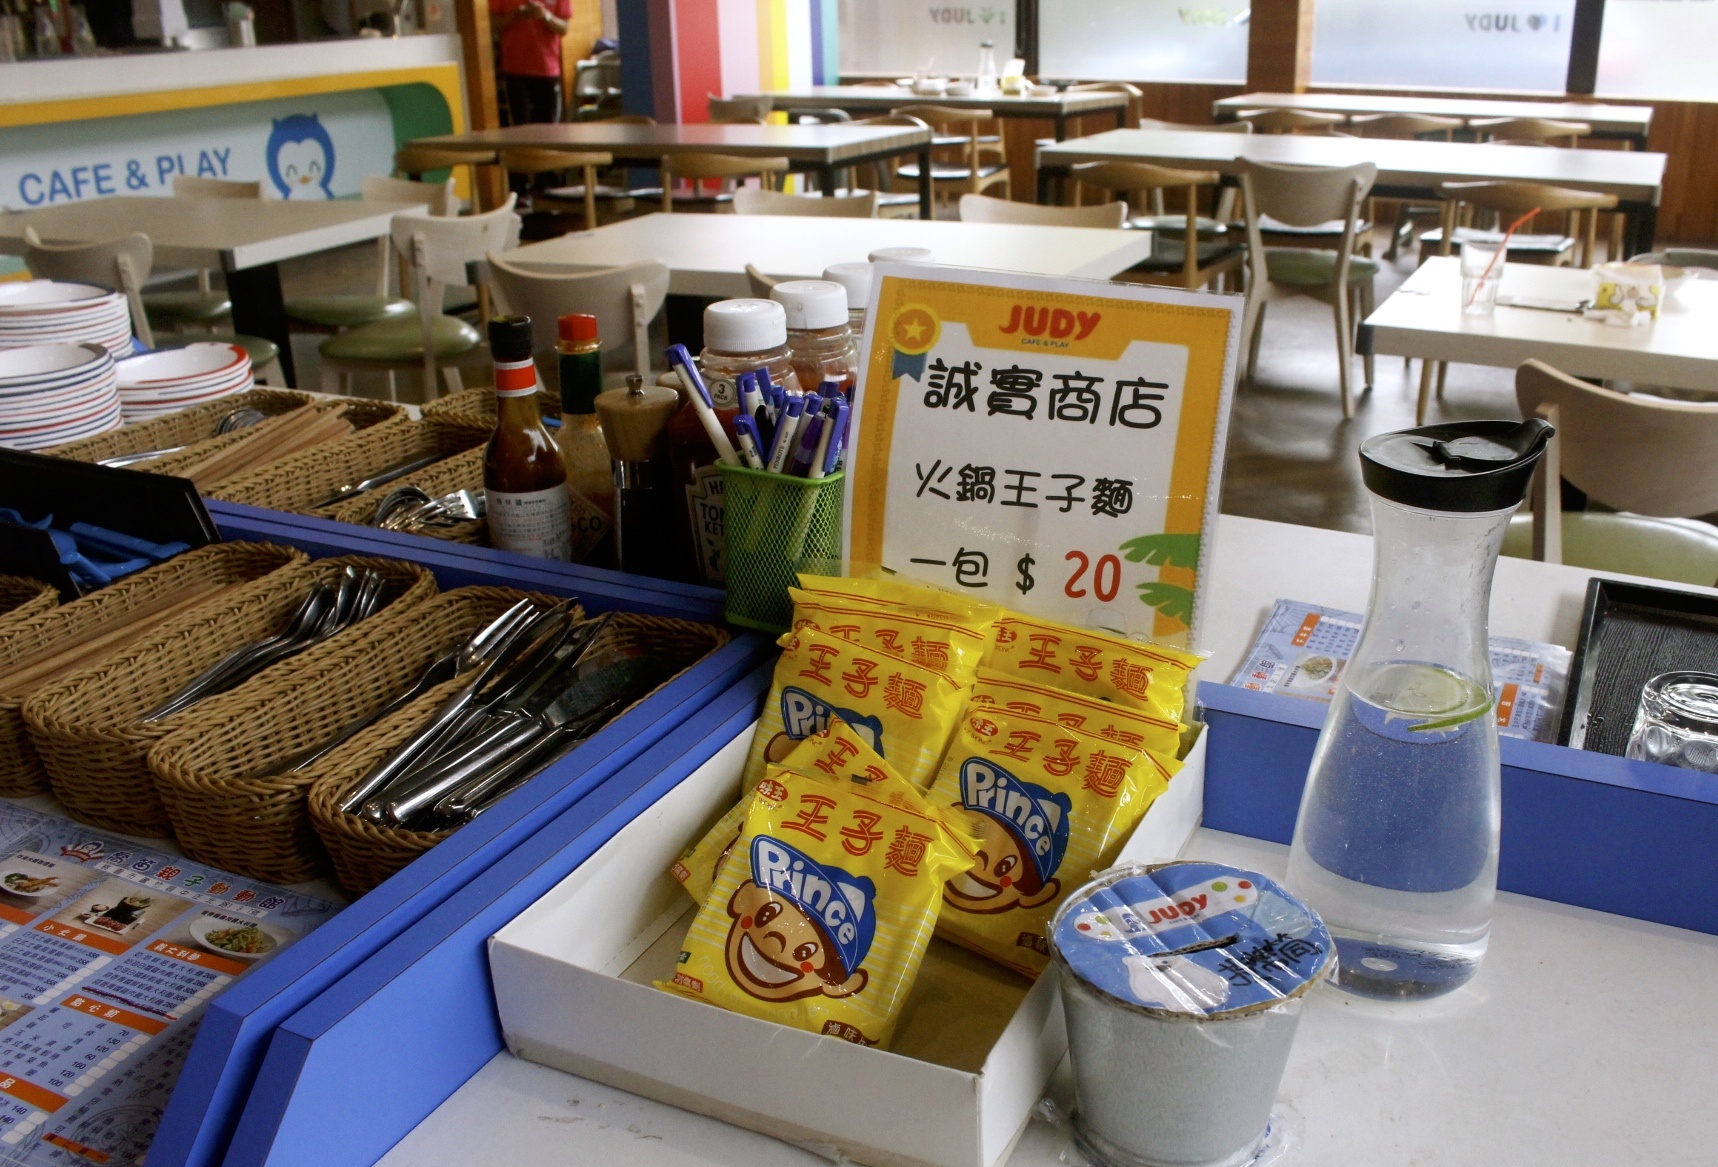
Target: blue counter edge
point(1581, 828)
point(426, 998)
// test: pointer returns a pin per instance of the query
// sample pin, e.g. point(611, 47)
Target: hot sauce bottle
point(524, 481)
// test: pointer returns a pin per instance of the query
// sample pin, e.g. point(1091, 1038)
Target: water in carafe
point(1397, 838)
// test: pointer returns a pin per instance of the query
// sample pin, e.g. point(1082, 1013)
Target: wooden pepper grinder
point(634, 423)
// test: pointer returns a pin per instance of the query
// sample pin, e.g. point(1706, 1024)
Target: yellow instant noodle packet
point(1053, 804)
point(930, 640)
point(904, 712)
point(837, 753)
point(820, 918)
point(1151, 677)
point(899, 593)
point(1106, 719)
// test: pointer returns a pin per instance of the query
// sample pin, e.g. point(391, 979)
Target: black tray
point(147, 506)
point(1629, 635)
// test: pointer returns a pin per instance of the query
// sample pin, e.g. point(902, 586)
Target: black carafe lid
point(1464, 466)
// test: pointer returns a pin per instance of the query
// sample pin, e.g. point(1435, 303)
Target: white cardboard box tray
point(573, 980)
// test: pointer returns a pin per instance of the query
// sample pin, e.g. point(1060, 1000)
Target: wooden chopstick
point(269, 441)
point(62, 658)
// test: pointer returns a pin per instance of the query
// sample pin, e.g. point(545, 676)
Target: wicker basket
point(478, 405)
point(460, 472)
point(260, 827)
point(86, 727)
point(364, 853)
point(22, 598)
point(21, 772)
point(298, 482)
point(194, 428)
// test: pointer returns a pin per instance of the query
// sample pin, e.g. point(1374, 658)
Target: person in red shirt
point(531, 32)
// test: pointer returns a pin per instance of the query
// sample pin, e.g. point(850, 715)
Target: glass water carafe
point(1397, 838)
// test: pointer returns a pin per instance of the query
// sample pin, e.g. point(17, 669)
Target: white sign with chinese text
point(1051, 445)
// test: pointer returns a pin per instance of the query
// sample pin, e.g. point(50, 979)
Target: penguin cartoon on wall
point(300, 157)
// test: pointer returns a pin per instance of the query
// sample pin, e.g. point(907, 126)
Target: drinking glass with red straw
point(1497, 255)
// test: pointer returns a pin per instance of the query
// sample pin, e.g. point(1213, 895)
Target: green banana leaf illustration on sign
point(1172, 600)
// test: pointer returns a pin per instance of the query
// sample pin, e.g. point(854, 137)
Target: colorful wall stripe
point(695, 48)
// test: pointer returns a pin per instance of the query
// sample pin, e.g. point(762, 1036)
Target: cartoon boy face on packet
point(820, 915)
point(1050, 801)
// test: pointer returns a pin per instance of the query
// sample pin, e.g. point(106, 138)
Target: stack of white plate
point(55, 393)
point(52, 312)
point(171, 379)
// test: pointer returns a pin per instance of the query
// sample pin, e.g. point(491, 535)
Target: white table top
point(1424, 319)
point(879, 98)
point(707, 254)
point(233, 234)
point(823, 145)
point(1605, 119)
point(1633, 176)
point(1583, 1040)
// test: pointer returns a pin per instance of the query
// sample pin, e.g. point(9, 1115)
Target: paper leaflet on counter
point(1304, 649)
point(108, 953)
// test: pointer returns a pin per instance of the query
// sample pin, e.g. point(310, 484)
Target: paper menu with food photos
point(108, 953)
point(1050, 445)
point(1304, 649)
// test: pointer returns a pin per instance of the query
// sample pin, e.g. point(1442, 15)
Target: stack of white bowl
point(56, 393)
point(168, 380)
point(52, 312)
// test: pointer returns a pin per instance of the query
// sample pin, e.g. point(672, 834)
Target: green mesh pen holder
point(777, 526)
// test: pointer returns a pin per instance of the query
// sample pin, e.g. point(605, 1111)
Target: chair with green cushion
point(436, 251)
point(1306, 196)
point(350, 309)
point(205, 305)
point(263, 352)
point(1679, 550)
point(1645, 456)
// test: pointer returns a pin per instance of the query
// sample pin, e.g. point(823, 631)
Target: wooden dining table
point(871, 99)
point(1628, 123)
point(1406, 169)
point(245, 238)
point(822, 150)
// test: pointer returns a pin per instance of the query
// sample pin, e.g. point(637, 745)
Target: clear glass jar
point(856, 278)
point(819, 339)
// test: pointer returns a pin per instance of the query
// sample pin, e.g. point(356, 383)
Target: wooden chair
point(416, 161)
point(984, 209)
point(727, 169)
point(1292, 121)
point(982, 161)
point(1188, 127)
point(858, 205)
point(437, 252)
point(740, 110)
point(761, 284)
point(1510, 200)
point(122, 264)
point(1342, 278)
point(1529, 131)
point(891, 203)
point(1135, 98)
point(1405, 127)
point(1644, 456)
point(1172, 260)
point(530, 161)
point(331, 313)
point(205, 305)
point(625, 300)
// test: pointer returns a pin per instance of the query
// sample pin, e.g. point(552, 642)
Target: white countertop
point(707, 254)
point(69, 78)
point(1583, 1040)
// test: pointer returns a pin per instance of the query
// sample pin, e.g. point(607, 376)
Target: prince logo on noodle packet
point(1025, 835)
point(800, 927)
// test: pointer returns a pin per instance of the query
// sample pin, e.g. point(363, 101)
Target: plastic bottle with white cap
point(742, 336)
point(902, 255)
point(856, 278)
point(818, 337)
